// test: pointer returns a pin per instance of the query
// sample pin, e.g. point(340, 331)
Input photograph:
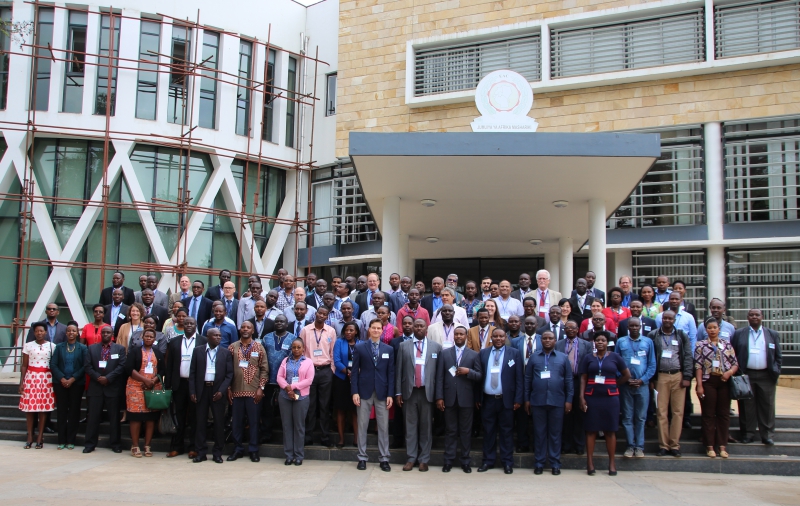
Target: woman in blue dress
point(601, 375)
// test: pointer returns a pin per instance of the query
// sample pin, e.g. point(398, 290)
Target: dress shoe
point(173, 453)
point(768, 441)
point(217, 459)
point(747, 440)
point(192, 454)
point(538, 470)
point(385, 467)
point(116, 449)
point(591, 472)
point(254, 457)
point(88, 450)
point(675, 453)
point(409, 466)
point(288, 462)
point(466, 468)
point(199, 459)
point(687, 424)
point(579, 452)
point(362, 465)
point(298, 462)
point(48, 430)
point(661, 452)
point(732, 439)
point(556, 471)
point(234, 456)
point(508, 469)
point(423, 467)
point(484, 468)
point(612, 473)
point(446, 468)
point(524, 449)
point(327, 443)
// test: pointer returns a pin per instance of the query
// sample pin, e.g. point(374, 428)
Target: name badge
point(647, 328)
point(285, 346)
point(317, 353)
point(635, 361)
point(715, 363)
point(674, 342)
point(495, 370)
point(385, 355)
point(545, 375)
point(419, 361)
point(724, 333)
point(148, 369)
point(511, 363)
point(103, 364)
point(771, 346)
point(504, 316)
point(115, 356)
point(350, 363)
point(666, 354)
point(612, 344)
point(642, 353)
point(155, 343)
point(254, 354)
point(755, 350)
point(244, 364)
point(721, 346)
point(295, 379)
point(452, 371)
point(447, 345)
point(434, 355)
point(600, 380)
point(121, 317)
point(588, 307)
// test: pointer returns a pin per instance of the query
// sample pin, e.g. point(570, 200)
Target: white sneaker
point(628, 453)
point(638, 453)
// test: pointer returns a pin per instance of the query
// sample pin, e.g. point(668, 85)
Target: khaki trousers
point(670, 395)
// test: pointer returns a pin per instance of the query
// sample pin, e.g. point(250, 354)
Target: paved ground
point(103, 478)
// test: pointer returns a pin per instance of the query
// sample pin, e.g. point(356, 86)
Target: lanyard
point(420, 345)
point(150, 356)
point(758, 334)
point(318, 338)
point(212, 360)
point(504, 306)
point(446, 333)
point(600, 363)
point(190, 343)
point(246, 351)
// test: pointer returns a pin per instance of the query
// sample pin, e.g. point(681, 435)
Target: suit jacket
point(405, 369)
point(361, 300)
point(367, 377)
point(512, 377)
point(516, 294)
point(584, 348)
point(160, 299)
point(546, 326)
point(427, 303)
point(172, 371)
point(203, 312)
point(474, 338)
point(121, 319)
point(518, 343)
point(458, 390)
point(397, 301)
point(114, 371)
point(59, 358)
point(553, 296)
point(128, 296)
point(741, 342)
point(161, 314)
point(580, 314)
point(595, 293)
point(234, 312)
point(133, 361)
point(223, 371)
point(436, 334)
point(648, 325)
point(215, 293)
point(269, 326)
point(554, 391)
point(686, 358)
point(59, 337)
point(177, 297)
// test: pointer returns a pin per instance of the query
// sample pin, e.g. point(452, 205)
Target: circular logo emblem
point(504, 91)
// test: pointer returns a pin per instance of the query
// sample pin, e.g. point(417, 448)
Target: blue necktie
point(193, 308)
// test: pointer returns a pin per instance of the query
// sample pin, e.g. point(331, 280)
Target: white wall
point(322, 27)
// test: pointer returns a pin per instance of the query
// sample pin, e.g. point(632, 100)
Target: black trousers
point(758, 412)
point(204, 402)
point(458, 427)
point(497, 419)
point(268, 410)
point(573, 437)
point(398, 426)
point(185, 416)
point(523, 422)
point(96, 405)
point(245, 407)
point(320, 398)
point(68, 404)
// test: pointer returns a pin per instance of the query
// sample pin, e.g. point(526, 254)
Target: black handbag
point(740, 388)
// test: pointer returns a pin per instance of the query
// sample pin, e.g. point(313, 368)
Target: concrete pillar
point(551, 263)
point(715, 209)
point(403, 252)
point(597, 242)
point(715, 275)
point(623, 265)
point(390, 235)
point(565, 265)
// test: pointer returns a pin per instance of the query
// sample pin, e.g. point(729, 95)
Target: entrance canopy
point(495, 192)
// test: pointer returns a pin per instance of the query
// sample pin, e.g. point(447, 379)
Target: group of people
point(560, 371)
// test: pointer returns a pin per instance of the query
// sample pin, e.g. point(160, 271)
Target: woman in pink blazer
point(294, 379)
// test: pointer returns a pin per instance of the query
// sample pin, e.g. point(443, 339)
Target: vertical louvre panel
point(768, 279)
point(757, 28)
point(461, 67)
point(687, 266)
point(354, 221)
point(678, 38)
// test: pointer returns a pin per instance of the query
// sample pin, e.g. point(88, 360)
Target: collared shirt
point(582, 302)
point(509, 307)
point(393, 291)
point(757, 358)
point(370, 293)
point(51, 329)
point(289, 314)
point(726, 331)
point(459, 353)
point(486, 332)
point(114, 315)
point(486, 296)
point(640, 355)
point(424, 354)
point(228, 307)
point(259, 327)
point(555, 328)
point(334, 315)
point(626, 300)
point(319, 344)
point(370, 314)
point(187, 348)
point(211, 362)
point(228, 332)
point(437, 302)
point(662, 298)
point(673, 362)
point(285, 300)
point(272, 313)
point(523, 292)
point(495, 357)
point(194, 306)
point(340, 300)
point(540, 297)
point(684, 322)
point(525, 356)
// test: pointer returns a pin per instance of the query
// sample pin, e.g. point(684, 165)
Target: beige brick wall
point(371, 76)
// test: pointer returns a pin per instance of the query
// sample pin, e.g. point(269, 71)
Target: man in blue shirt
point(717, 309)
point(639, 353)
point(549, 390)
point(226, 329)
point(683, 320)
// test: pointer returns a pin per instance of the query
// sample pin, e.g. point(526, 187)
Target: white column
point(545, 52)
point(390, 235)
point(597, 241)
point(710, 34)
point(715, 209)
point(715, 276)
point(565, 265)
point(551, 264)
point(623, 265)
point(403, 253)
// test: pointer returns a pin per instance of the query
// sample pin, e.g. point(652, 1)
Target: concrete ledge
point(792, 381)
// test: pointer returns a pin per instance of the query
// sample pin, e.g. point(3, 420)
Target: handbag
point(166, 424)
point(156, 400)
point(740, 388)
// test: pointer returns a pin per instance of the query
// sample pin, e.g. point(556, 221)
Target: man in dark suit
point(573, 437)
point(116, 282)
point(502, 393)
point(179, 362)
point(591, 277)
point(555, 325)
point(199, 307)
point(230, 303)
point(314, 299)
point(433, 301)
point(527, 344)
point(648, 324)
point(399, 423)
point(524, 287)
point(758, 351)
point(57, 331)
point(372, 384)
point(548, 397)
point(216, 292)
point(151, 308)
point(116, 313)
point(364, 299)
point(530, 308)
point(628, 295)
point(399, 298)
point(210, 375)
point(261, 323)
point(457, 374)
point(581, 302)
point(105, 366)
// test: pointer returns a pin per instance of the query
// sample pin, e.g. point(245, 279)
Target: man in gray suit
point(160, 298)
point(457, 372)
point(573, 437)
point(415, 384)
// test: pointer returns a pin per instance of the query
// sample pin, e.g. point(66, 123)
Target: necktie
point(555, 330)
point(529, 349)
point(483, 336)
point(459, 352)
point(572, 359)
point(375, 347)
point(541, 304)
point(418, 366)
point(228, 308)
point(193, 307)
point(147, 309)
point(297, 328)
point(496, 371)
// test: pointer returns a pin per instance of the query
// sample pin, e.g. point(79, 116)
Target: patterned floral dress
point(37, 394)
point(134, 390)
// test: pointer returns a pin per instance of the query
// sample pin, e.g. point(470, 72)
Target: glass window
point(5, 45)
point(44, 38)
point(269, 98)
point(102, 66)
point(147, 87)
point(266, 186)
point(243, 92)
point(330, 95)
point(208, 83)
point(291, 106)
point(75, 65)
point(179, 70)
point(686, 266)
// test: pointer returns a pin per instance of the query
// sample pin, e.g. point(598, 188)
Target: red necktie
point(483, 336)
point(541, 304)
point(417, 366)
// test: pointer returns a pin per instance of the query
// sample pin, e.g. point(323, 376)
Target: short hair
point(540, 271)
point(709, 319)
point(603, 333)
point(450, 291)
point(482, 310)
point(120, 273)
point(717, 299)
point(678, 281)
point(181, 310)
point(348, 301)
point(73, 323)
point(625, 276)
point(150, 317)
point(351, 323)
point(36, 325)
point(199, 281)
point(140, 307)
point(375, 320)
point(224, 270)
point(485, 278)
point(616, 289)
point(98, 306)
point(563, 301)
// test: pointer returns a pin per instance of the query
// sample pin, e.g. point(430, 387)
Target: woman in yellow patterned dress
point(143, 364)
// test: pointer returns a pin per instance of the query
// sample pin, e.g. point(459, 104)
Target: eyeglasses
point(52, 309)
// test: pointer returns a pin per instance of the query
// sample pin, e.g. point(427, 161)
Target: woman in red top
point(615, 311)
point(597, 307)
point(91, 331)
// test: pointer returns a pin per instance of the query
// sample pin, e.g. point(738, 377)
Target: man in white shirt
point(507, 304)
point(543, 296)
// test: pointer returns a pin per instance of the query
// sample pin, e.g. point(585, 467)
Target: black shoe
point(484, 468)
point(116, 449)
point(362, 465)
point(385, 467)
point(747, 440)
point(199, 458)
point(675, 453)
point(590, 472)
point(88, 450)
point(288, 462)
point(217, 459)
point(538, 470)
point(48, 430)
point(265, 440)
point(579, 452)
point(446, 468)
point(508, 469)
point(254, 457)
point(235, 456)
point(612, 473)
point(687, 424)
point(466, 468)
point(327, 443)
point(298, 462)
point(524, 449)
point(556, 471)
point(661, 452)
point(768, 442)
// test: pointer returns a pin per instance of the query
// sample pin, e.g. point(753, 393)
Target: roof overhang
point(494, 192)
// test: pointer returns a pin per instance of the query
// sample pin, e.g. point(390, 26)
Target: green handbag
point(156, 400)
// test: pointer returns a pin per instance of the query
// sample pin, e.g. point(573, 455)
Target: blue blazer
point(59, 358)
point(340, 357)
point(648, 325)
point(367, 377)
point(275, 357)
point(518, 343)
point(512, 377)
point(555, 391)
